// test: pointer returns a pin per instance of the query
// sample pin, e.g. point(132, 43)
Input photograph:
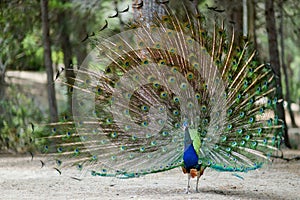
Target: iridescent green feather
point(135, 90)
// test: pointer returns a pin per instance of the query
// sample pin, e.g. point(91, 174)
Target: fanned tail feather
point(136, 89)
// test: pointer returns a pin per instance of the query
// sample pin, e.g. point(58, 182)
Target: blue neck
point(187, 139)
point(190, 156)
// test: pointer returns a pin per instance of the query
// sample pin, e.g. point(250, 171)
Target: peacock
point(175, 92)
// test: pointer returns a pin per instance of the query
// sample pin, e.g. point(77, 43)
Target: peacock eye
point(176, 112)
point(108, 70)
point(183, 86)
point(141, 43)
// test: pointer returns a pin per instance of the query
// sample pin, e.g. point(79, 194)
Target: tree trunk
point(48, 62)
point(234, 12)
point(2, 85)
point(252, 20)
point(81, 50)
point(146, 12)
point(80, 32)
point(287, 87)
point(245, 18)
point(274, 61)
point(2, 79)
point(67, 51)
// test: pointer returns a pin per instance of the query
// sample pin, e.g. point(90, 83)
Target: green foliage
point(17, 21)
point(55, 4)
point(16, 133)
point(20, 38)
point(33, 52)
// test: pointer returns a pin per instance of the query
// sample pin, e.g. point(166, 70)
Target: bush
point(18, 113)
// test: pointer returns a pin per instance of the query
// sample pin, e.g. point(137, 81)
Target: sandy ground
point(23, 178)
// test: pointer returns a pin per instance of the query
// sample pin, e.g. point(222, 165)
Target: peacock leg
point(198, 177)
point(199, 174)
point(188, 185)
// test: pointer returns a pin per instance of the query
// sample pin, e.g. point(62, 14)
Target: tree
point(233, 10)
point(69, 36)
point(275, 63)
point(15, 16)
point(251, 21)
point(66, 47)
point(48, 61)
point(284, 67)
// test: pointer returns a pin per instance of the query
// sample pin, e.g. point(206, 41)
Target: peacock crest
point(170, 93)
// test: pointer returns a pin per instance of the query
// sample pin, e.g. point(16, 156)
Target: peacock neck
point(187, 139)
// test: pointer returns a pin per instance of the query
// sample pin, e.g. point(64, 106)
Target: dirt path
point(21, 178)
